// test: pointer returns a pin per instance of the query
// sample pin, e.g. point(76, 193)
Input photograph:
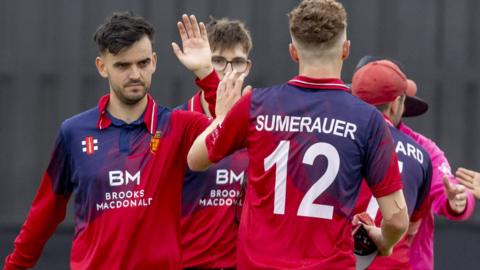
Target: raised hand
point(456, 194)
point(229, 91)
point(469, 179)
point(195, 53)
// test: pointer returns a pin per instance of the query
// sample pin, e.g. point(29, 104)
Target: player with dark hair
point(212, 199)
point(382, 84)
point(310, 143)
point(124, 161)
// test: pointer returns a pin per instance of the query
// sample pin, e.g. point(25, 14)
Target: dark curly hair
point(120, 31)
point(316, 22)
point(225, 33)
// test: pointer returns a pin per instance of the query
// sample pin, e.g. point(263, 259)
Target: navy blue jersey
point(416, 171)
point(310, 144)
point(127, 181)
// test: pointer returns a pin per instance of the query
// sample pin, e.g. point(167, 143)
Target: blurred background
point(47, 74)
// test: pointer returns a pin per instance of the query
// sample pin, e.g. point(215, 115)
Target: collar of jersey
point(387, 119)
point(149, 116)
point(320, 84)
point(195, 103)
point(119, 123)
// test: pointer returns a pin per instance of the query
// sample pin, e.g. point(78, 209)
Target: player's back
point(416, 169)
point(310, 143)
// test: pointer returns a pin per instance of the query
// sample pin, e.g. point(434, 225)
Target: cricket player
point(310, 143)
point(382, 84)
point(124, 161)
point(212, 199)
point(446, 196)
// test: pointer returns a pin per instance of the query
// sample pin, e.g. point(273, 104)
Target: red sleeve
point(209, 86)
point(382, 174)
point(191, 125)
point(47, 211)
point(231, 135)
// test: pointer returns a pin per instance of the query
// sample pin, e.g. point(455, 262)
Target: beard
point(132, 92)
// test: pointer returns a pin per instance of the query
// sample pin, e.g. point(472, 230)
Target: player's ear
point(293, 53)
point(396, 107)
point(154, 61)
point(249, 67)
point(346, 49)
point(101, 67)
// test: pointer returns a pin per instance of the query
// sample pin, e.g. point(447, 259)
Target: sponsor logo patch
point(89, 145)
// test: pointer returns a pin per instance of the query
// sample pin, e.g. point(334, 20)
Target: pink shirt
point(421, 251)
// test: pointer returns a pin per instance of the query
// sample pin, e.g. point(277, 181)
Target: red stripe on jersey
point(321, 84)
point(89, 145)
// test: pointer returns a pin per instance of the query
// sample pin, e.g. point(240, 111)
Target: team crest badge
point(155, 141)
point(89, 145)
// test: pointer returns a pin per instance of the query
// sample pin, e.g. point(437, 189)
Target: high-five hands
point(195, 53)
point(229, 91)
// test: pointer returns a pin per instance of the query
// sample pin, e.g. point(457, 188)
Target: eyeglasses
point(238, 64)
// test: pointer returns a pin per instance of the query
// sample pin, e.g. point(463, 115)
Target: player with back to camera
point(447, 198)
point(382, 84)
point(310, 143)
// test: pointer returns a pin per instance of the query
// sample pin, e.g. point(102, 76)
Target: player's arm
point(384, 180)
point(221, 137)
point(196, 56)
point(440, 203)
point(47, 211)
point(470, 179)
point(448, 197)
point(394, 223)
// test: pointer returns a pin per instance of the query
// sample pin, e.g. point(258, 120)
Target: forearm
point(203, 72)
point(198, 155)
point(393, 229)
point(447, 211)
point(440, 204)
point(395, 218)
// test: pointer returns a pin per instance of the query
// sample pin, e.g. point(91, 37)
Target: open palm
point(195, 53)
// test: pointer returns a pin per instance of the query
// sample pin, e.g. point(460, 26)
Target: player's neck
point(324, 70)
point(126, 112)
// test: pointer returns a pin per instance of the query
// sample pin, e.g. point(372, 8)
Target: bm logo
point(225, 177)
point(119, 178)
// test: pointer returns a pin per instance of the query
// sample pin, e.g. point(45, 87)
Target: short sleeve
point(189, 125)
point(381, 165)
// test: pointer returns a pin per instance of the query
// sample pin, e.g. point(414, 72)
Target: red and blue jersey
point(127, 184)
point(310, 143)
point(416, 171)
point(212, 201)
